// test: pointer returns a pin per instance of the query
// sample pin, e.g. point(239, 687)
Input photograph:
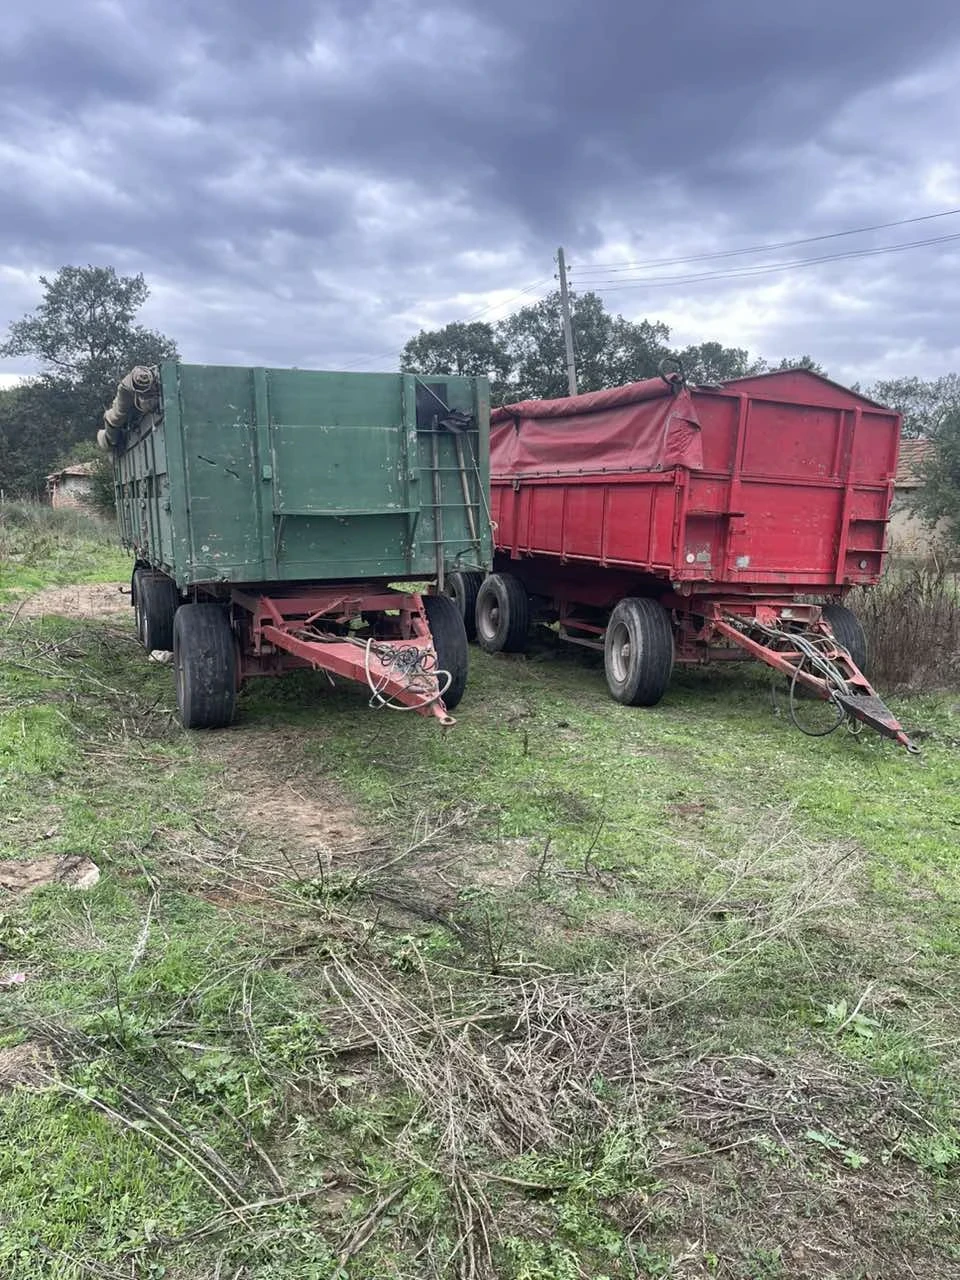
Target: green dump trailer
point(270, 510)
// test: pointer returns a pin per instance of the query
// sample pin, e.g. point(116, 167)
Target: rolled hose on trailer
point(409, 660)
point(138, 391)
point(810, 653)
point(414, 669)
point(838, 689)
point(835, 685)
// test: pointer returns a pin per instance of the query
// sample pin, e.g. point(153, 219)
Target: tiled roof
point(77, 469)
point(912, 454)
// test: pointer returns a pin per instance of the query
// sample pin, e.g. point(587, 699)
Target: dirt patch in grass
point(20, 877)
point(510, 864)
point(92, 600)
point(272, 791)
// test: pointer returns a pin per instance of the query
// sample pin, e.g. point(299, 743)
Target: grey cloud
point(301, 180)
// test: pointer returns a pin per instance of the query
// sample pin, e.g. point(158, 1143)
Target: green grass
point(41, 547)
point(257, 1056)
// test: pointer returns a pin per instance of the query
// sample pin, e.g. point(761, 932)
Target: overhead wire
point(495, 306)
point(616, 277)
point(758, 248)
point(654, 282)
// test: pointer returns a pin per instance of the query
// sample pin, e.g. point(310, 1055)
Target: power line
point(759, 248)
point(662, 282)
point(494, 306)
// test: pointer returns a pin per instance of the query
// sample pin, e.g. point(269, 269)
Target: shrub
point(912, 621)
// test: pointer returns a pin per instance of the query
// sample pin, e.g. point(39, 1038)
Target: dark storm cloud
point(306, 181)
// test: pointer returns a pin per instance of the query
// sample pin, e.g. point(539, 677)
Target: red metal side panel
point(627, 522)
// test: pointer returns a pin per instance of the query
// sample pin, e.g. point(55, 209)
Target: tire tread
point(450, 641)
point(848, 630)
point(514, 606)
point(650, 623)
point(203, 644)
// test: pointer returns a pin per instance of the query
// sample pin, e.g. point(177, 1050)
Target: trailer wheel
point(638, 652)
point(503, 614)
point(848, 630)
point(156, 600)
point(463, 589)
point(450, 641)
point(205, 666)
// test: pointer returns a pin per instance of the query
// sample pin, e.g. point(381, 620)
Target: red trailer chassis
point(795, 640)
point(408, 650)
point(392, 651)
point(790, 637)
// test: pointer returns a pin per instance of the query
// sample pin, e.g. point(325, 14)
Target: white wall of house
point(70, 491)
point(907, 536)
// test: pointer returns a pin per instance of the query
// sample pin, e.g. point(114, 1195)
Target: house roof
point(77, 469)
point(913, 453)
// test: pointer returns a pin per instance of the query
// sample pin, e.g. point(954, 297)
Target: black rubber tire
point(204, 666)
point(638, 652)
point(463, 588)
point(848, 630)
point(156, 600)
point(502, 614)
point(450, 641)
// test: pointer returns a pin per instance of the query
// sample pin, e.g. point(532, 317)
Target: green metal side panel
point(283, 475)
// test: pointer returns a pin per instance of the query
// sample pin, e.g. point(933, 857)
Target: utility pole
point(567, 326)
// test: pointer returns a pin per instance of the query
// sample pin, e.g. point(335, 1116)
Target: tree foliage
point(464, 349)
point(33, 422)
point(84, 329)
point(938, 501)
point(609, 349)
point(84, 336)
point(524, 354)
point(801, 362)
point(925, 404)
point(709, 362)
point(525, 357)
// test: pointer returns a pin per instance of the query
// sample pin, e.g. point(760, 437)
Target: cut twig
point(367, 1227)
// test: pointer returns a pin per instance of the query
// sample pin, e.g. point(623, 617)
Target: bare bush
point(912, 621)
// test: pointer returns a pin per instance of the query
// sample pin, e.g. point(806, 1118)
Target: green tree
point(84, 329)
point(525, 355)
point(923, 403)
point(938, 501)
point(84, 336)
point(31, 433)
point(463, 349)
point(709, 362)
point(609, 349)
point(801, 362)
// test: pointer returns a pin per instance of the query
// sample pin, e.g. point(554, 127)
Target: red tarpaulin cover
point(646, 426)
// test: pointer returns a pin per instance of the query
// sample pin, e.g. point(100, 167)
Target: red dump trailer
point(659, 522)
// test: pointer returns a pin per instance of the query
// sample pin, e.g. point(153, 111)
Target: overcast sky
point(308, 182)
